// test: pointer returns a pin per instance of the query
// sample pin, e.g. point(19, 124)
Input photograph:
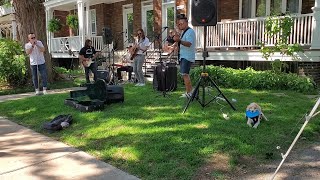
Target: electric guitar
point(87, 63)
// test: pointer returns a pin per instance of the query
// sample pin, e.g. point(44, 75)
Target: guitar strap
point(180, 42)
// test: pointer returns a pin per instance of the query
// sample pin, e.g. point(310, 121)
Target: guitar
point(87, 63)
point(133, 52)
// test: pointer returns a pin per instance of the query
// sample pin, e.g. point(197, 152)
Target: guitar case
point(97, 94)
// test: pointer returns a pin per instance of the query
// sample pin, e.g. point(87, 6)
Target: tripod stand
point(204, 81)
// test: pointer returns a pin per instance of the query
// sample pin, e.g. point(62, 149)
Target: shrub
point(54, 25)
point(12, 63)
point(251, 79)
point(72, 21)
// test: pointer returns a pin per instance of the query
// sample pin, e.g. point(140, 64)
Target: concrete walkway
point(25, 154)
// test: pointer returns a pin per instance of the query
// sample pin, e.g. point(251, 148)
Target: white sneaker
point(142, 84)
point(186, 95)
point(37, 92)
point(44, 91)
point(138, 84)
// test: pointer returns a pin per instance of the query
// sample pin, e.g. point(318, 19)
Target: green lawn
point(149, 137)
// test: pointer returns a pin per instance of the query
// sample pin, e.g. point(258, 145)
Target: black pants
point(93, 68)
point(128, 69)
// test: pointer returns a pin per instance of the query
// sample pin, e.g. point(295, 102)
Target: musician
point(170, 45)
point(139, 48)
point(187, 50)
point(35, 50)
point(87, 55)
point(126, 66)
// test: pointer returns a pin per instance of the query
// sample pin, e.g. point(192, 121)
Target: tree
point(30, 17)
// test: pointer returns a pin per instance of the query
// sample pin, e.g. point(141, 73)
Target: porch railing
point(63, 44)
point(249, 32)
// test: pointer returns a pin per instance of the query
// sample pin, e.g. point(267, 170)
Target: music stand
point(204, 81)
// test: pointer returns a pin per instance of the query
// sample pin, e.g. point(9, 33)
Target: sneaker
point(138, 84)
point(186, 95)
point(37, 92)
point(142, 84)
point(44, 91)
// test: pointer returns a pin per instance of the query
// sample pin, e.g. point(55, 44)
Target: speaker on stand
point(107, 40)
point(204, 13)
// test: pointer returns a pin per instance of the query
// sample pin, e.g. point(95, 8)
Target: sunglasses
point(33, 37)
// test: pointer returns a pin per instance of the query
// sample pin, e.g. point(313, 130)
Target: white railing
point(63, 44)
point(249, 32)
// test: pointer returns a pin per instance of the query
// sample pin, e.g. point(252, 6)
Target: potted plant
point(72, 21)
point(54, 25)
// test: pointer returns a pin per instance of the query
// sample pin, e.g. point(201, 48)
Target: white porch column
point(49, 15)
point(315, 41)
point(88, 30)
point(14, 29)
point(80, 4)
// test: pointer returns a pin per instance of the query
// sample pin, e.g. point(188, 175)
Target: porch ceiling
point(67, 5)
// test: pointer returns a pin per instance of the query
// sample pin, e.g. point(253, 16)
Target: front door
point(127, 25)
point(147, 19)
point(168, 16)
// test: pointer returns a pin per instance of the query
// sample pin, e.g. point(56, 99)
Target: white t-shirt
point(36, 57)
point(143, 44)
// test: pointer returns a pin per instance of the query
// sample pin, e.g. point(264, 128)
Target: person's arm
point(145, 45)
point(188, 42)
point(29, 48)
point(40, 46)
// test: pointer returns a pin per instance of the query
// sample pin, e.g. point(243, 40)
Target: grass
point(149, 137)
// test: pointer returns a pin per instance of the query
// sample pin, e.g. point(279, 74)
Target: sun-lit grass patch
point(148, 136)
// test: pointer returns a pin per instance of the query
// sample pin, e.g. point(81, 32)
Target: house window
point(293, 6)
point(275, 7)
point(93, 19)
point(246, 9)
point(261, 8)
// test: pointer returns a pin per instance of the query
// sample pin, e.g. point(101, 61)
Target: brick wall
point(228, 9)
point(307, 5)
point(65, 29)
point(310, 69)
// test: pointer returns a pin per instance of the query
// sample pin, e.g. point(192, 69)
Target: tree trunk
point(31, 18)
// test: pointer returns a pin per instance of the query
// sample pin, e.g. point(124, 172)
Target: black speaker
point(107, 35)
point(204, 12)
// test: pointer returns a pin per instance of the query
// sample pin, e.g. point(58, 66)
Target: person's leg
point(94, 70)
point(34, 70)
point(185, 66)
point(44, 76)
point(135, 68)
point(119, 73)
point(130, 69)
point(140, 62)
point(86, 71)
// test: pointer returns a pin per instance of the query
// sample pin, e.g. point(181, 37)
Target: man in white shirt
point(35, 49)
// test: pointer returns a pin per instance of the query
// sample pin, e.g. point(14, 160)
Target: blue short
point(185, 66)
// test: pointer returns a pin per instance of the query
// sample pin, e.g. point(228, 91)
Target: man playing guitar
point(141, 45)
point(87, 55)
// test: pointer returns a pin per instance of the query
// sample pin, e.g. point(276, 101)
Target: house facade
point(8, 25)
point(232, 42)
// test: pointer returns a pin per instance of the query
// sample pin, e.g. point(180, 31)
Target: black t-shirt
point(87, 52)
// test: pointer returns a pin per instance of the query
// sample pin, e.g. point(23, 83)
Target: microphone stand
point(160, 46)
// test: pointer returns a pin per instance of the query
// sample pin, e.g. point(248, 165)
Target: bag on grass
point(58, 123)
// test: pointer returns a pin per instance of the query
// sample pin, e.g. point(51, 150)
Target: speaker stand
point(205, 81)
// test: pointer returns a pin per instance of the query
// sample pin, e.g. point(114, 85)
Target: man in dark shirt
point(87, 55)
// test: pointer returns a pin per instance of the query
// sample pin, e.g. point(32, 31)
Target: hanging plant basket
point(54, 25)
point(72, 21)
